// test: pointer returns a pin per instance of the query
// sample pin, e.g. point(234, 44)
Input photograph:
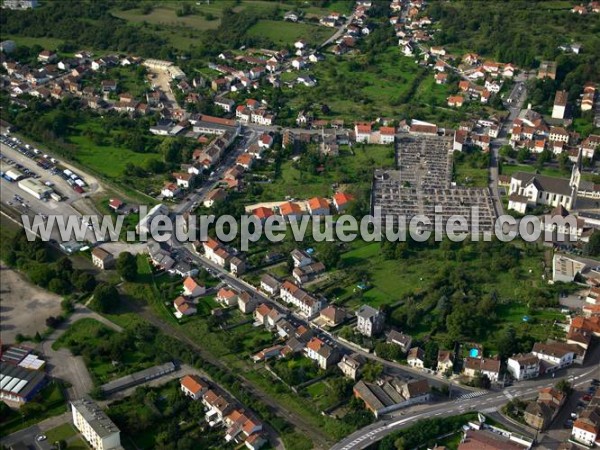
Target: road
point(491, 401)
point(514, 104)
point(339, 33)
point(249, 137)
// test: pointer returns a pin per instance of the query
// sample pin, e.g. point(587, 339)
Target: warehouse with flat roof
point(19, 385)
point(36, 188)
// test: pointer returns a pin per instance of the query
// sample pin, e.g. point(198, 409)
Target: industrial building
point(18, 384)
point(138, 378)
point(36, 188)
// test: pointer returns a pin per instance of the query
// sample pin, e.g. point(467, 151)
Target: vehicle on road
point(40, 437)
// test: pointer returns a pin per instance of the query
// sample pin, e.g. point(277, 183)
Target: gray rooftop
point(95, 417)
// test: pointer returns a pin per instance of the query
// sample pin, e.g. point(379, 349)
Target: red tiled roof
point(262, 212)
point(318, 203)
point(193, 383)
point(341, 198)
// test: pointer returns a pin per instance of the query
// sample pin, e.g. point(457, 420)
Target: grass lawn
point(77, 444)
point(105, 159)
point(62, 432)
point(509, 169)
point(47, 43)
point(286, 33)
point(465, 175)
point(320, 393)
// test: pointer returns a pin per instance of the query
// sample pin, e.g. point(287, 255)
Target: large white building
point(95, 426)
point(523, 367)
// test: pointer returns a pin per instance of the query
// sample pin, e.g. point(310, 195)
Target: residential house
point(351, 365)
point(400, 339)
point(227, 297)
point(237, 266)
point(370, 321)
point(341, 200)
point(300, 258)
point(523, 366)
point(184, 179)
point(323, 354)
point(170, 190)
point(445, 361)
point(318, 206)
point(102, 258)
point(541, 413)
point(487, 366)
point(216, 195)
point(290, 211)
point(226, 104)
point(586, 428)
point(191, 288)
point(416, 357)
point(183, 307)
point(560, 105)
point(193, 386)
point(308, 272)
point(362, 132)
point(246, 302)
point(269, 284)
point(306, 303)
point(556, 356)
point(332, 315)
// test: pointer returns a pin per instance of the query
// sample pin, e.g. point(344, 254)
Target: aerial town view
point(300, 224)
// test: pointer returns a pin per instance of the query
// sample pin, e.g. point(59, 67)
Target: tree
point(329, 254)
point(564, 386)
point(372, 371)
point(127, 266)
point(105, 298)
point(507, 343)
point(58, 286)
point(593, 246)
point(84, 282)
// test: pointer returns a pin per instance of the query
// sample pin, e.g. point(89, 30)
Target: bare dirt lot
point(23, 306)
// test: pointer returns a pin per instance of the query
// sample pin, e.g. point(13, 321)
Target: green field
point(286, 33)
point(62, 432)
point(104, 159)
point(47, 43)
point(509, 169)
point(92, 339)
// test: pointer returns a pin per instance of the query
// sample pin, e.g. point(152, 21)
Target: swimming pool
point(474, 353)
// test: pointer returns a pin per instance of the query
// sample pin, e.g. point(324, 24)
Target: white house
point(416, 357)
point(523, 367)
point(193, 386)
point(554, 353)
point(192, 289)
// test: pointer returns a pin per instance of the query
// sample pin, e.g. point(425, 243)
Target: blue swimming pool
point(474, 353)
